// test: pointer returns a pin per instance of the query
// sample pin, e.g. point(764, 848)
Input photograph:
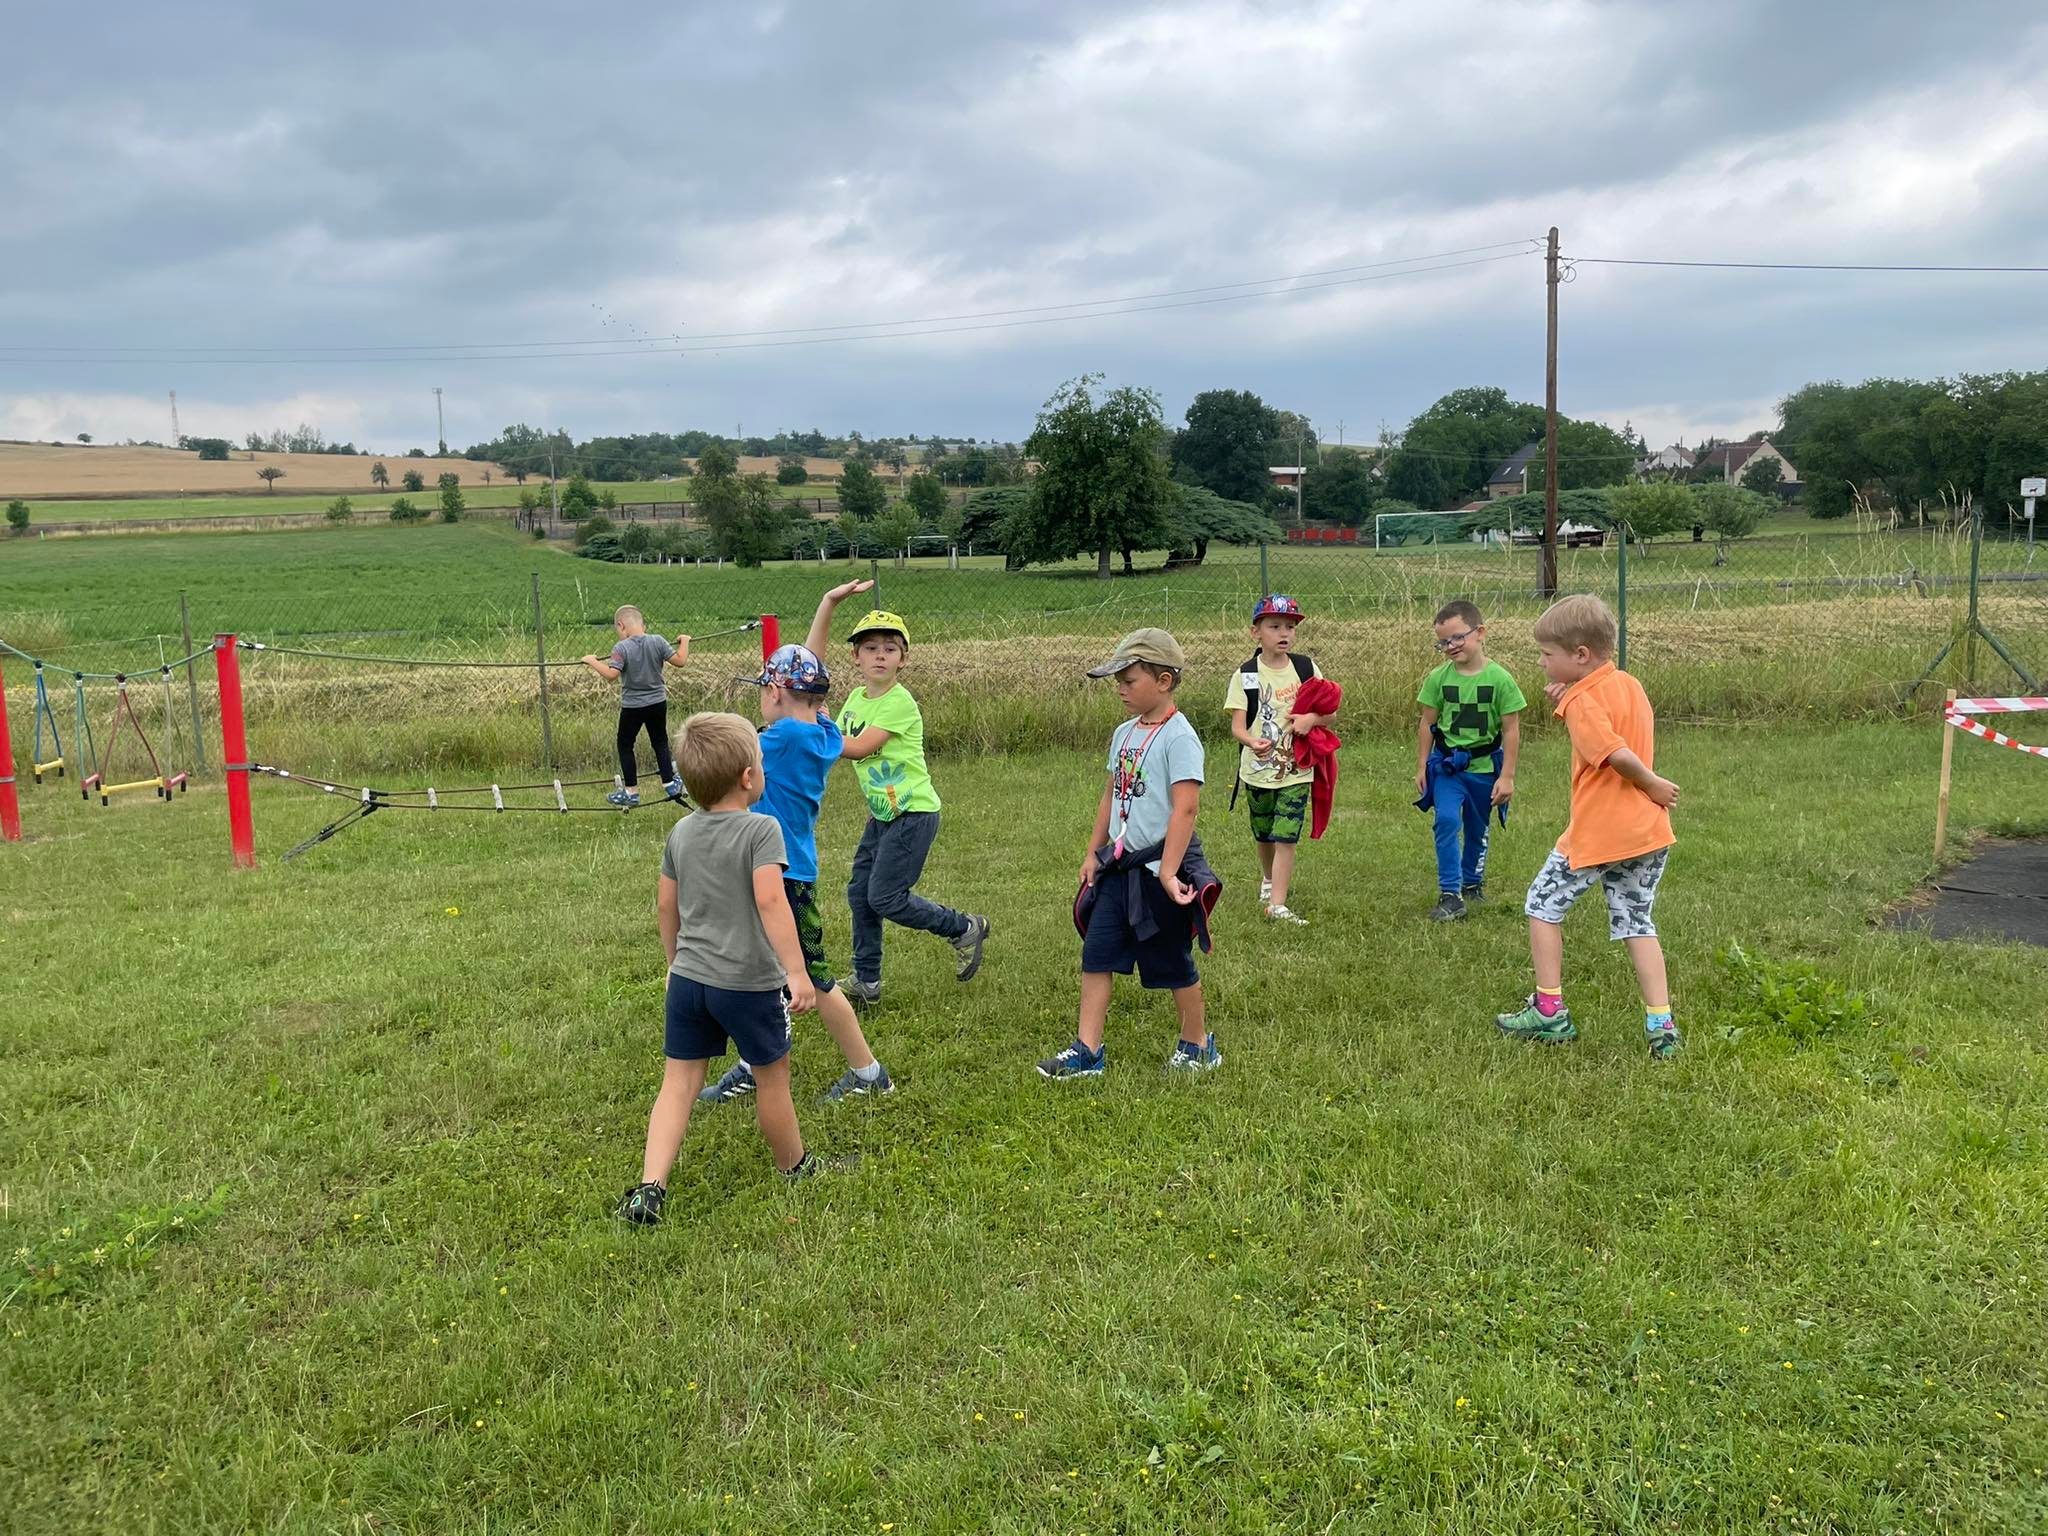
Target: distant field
point(30, 470)
point(367, 499)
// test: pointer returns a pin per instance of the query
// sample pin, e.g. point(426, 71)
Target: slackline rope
point(429, 661)
point(165, 667)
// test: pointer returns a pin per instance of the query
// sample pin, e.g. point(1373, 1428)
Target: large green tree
point(1225, 445)
point(1450, 450)
point(1102, 484)
point(1588, 454)
point(747, 521)
point(1341, 489)
point(926, 498)
point(1200, 517)
point(859, 491)
point(1650, 510)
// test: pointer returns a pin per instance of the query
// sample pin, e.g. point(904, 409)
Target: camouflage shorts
point(1277, 814)
point(1630, 887)
point(810, 931)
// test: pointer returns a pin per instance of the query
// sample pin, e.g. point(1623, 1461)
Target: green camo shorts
point(810, 931)
point(1277, 814)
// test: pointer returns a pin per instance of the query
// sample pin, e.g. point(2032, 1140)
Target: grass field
point(306, 1173)
point(31, 470)
point(371, 504)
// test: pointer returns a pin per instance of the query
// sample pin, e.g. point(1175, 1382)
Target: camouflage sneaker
point(1665, 1044)
point(1528, 1024)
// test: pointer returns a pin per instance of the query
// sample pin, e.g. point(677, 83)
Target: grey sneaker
point(624, 798)
point(858, 991)
point(852, 1085)
point(1472, 895)
point(737, 1083)
point(968, 947)
point(812, 1165)
point(1450, 906)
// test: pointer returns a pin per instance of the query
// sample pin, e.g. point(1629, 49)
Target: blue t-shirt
point(1144, 765)
point(796, 757)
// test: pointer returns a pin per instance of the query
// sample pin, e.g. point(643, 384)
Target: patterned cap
point(1276, 605)
point(797, 668)
point(879, 621)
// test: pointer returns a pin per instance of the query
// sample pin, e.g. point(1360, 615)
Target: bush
point(403, 511)
point(17, 516)
point(791, 471)
point(602, 545)
point(413, 480)
point(341, 510)
point(636, 541)
point(589, 528)
point(452, 505)
point(1793, 1006)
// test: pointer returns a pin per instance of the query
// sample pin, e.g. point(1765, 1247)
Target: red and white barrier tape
point(2019, 706)
point(1979, 728)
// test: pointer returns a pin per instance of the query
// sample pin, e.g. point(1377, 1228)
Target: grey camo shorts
point(1630, 887)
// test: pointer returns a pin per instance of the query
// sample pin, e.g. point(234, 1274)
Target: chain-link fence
point(1839, 621)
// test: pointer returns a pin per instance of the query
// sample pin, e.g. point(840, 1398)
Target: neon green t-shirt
point(1470, 708)
point(895, 779)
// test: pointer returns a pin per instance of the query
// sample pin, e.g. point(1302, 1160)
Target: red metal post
point(234, 750)
point(10, 807)
point(771, 636)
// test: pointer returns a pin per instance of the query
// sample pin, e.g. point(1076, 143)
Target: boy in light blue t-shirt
point(799, 745)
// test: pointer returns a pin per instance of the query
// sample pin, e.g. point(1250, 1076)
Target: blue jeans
point(886, 865)
point(1463, 802)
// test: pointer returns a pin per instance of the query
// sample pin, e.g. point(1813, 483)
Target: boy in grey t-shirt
point(736, 968)
point(636, 663)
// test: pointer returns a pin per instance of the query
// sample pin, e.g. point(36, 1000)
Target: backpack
point(1248, 675)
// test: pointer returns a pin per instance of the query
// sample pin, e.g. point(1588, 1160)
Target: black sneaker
point(1472, 895)
point(737, 1083)
point(852, 1085)
point(642, 1205)
point(1450, 906)
point(968, 947)
point(813, 1165)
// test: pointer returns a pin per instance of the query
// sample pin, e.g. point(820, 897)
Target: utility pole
point(1548, 580)
point(554, 485)
point(440, 423)
point(1340, 431)
point(175, 433)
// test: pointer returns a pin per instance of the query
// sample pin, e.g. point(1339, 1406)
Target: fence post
point(1948, 752)
point(875, 576)
point(1970, 633)
point(1621, 603)
point(771, 636)
point(10, 807)
point(540, 656)
point(234, 751)
point(1265, 585)
point(191, 682)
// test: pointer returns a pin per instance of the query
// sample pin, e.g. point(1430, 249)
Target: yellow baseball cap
point(879, 621)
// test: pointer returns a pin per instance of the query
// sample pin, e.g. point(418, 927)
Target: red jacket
point(1317, 751)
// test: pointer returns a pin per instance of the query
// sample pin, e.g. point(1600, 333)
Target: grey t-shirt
point(712, 856)
point(639, 659)
point(1144, 765)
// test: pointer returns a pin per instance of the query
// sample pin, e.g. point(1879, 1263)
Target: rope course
point(165, 667)
point(431, 661)
point(46, 715)
point(159, 782)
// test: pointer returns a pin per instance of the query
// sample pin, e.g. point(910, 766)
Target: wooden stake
point(1948, 753)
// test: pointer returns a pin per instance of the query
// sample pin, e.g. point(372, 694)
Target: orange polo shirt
point(1612, 820)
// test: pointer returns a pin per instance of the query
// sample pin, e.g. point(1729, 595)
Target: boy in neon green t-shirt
point(883, 732)
point(1466, 749)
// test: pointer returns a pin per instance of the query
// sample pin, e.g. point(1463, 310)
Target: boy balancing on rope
point(1466, 749)
point(636, 663)
point(884, 733)
point(736, 966)
point(1145, 888)
point(799, 745)
point(1620, 832)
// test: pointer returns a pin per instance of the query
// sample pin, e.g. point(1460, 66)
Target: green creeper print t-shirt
point(1469, 710)
point(895, 779)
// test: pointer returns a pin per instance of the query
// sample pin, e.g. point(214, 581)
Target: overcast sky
point(200, 179)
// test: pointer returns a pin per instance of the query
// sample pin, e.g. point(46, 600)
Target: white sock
point(868, 1073)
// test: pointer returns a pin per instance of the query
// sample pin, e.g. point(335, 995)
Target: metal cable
point(430, 661)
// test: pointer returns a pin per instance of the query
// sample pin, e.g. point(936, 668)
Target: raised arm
point(821, 623)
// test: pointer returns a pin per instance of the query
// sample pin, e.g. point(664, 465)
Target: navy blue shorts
point(1165, 962)
point(702, 1019)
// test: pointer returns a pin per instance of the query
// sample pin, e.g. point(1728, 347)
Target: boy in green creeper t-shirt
point(1466, 749)
point(883, 732)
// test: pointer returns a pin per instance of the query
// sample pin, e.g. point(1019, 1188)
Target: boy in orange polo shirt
point(1620, 831)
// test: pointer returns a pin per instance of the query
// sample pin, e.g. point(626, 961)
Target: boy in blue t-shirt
point(799, 745)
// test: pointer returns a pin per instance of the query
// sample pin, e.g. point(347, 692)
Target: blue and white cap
point(795, 667)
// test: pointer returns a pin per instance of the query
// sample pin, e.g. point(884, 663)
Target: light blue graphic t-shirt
point(1144, 764)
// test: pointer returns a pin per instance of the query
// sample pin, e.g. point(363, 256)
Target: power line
point(1788, 266)
point(811, 336)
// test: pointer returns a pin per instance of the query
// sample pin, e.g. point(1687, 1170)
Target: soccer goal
point(1391, 530)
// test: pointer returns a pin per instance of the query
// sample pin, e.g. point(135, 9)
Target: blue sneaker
point(674, 788)
point(625, 799)
point(1075, 1061)
point(737, 1083)
point(1191, 1059)
point(852, 1085)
